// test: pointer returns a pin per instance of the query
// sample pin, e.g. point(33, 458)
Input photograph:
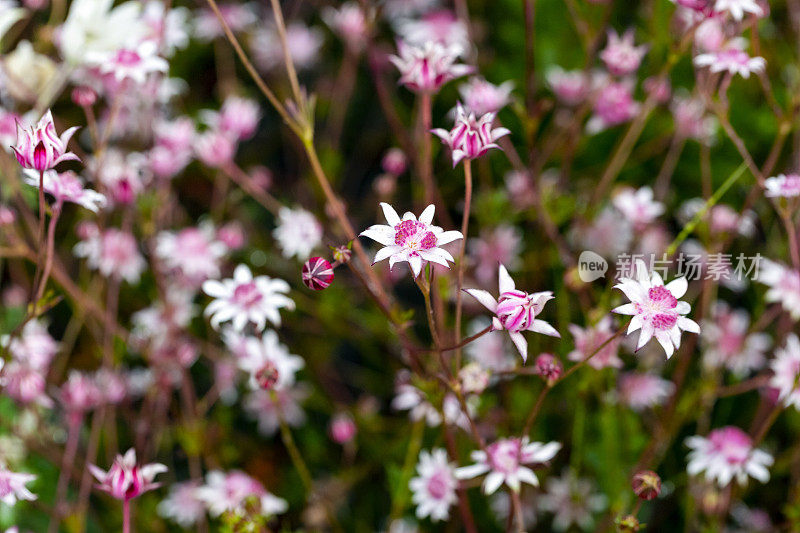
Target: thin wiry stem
point(462, 252)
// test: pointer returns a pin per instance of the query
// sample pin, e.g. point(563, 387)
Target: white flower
point(435, 486)
point(92, 26)
point(786, 372)
point(726, 454)
point(728, 343)
point(298, 232)
point(194, 252)
point(782, 186)
point(656, 309)
point(411, 239)
point(638, 206)
point(737, 8)
point(505, 461)
point(244, 299)
point(269, 362)
point(732, 60)
point(12, 486)
point(182, 504)
point(784, 285)
point(640, 391)
point(135, 63)
point(66, 187)
point(515, 310)
point(572, 500)
point(228, 492)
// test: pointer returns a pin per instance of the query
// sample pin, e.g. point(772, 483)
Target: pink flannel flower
point(67, 187)
point(215, 148)
point(228, 491)
point(134, 64)
point(732, 60)
point(640, 391)
point(12, 486)
point(515, 310)
point(784, 285)
point(410, 239)
point(655, 308)
point(614, 105)
point(638, 206)
point(505, 462)
point(425, 68)
point(620, 55)
point(126, 479)
point(786, 372)
point(245, 298)
point(728, 344)
point(783, 186)
point(727, 453)
point(434, 488)
point(39, 148)
point(738, 8)
point(238, 118)
point(80, 394)
point(470, 138)
point(483, 97)
point(570, 86)
point(589, 339)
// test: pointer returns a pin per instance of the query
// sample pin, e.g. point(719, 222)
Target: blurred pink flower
point(727, 453)
point(12, 486)
point(620, 55)
point(126, 479)
point(783, 283)
point(434, 487)
point(427, 67)
point(342, 428)
point(570, 86)
point(483, 97)
point(640, 391)
point(228, 491)
point(589, 339)
point(638, 205)
point(66, 187)
point(727, 342)
point(505, 462)
point(782, 186)
point(786, 371)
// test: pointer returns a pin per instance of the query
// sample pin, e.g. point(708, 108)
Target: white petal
point(504, 280)
point(380, 233)
point(392, 218)
point(540, 326)
point(522, 345)
point(448, 237)
point(427, 216)
point(492, 483)
point(486, 299)
point(678, 286)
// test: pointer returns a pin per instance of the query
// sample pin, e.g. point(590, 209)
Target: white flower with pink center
point(505, 462)
point(732, 60)
point(410, 239)
point(727, 453)
point(434, 488)
point(727, 342)
point(193, 252)
point(515, 311)
point(244, 299)
point(784, 285)
point(655, 308)
point(620, 55)
point(786, 372)
point(66, 187)
point(182, 504)
point(134, 64)
point(614, 105)
point(268, 411)
point(114, 253)
point(298, 232)
point(638, 206)
point(228, 491)
point(269, 363)
point(12, 486)
point(587, 340)
point(640, 391)
point(483, 97)
point(782, 186)
point(570, 86)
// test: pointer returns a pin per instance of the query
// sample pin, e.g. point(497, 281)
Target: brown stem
point(462, 254)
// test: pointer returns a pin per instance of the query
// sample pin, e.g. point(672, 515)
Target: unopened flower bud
point(317, 273)
point(342, 254)
point(394, 162)
point(549, 367)
point(342, 428)
point(84, 96)
point(7, 216)
point(646, 484)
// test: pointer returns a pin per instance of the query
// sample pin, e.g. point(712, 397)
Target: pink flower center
point(247, 294)
point(128, 58)
point(267, 376)
point(660, 307)
point(504, 456)
point(438, 485)
point(516, 310)
point(414, 236)
point(732, 443)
